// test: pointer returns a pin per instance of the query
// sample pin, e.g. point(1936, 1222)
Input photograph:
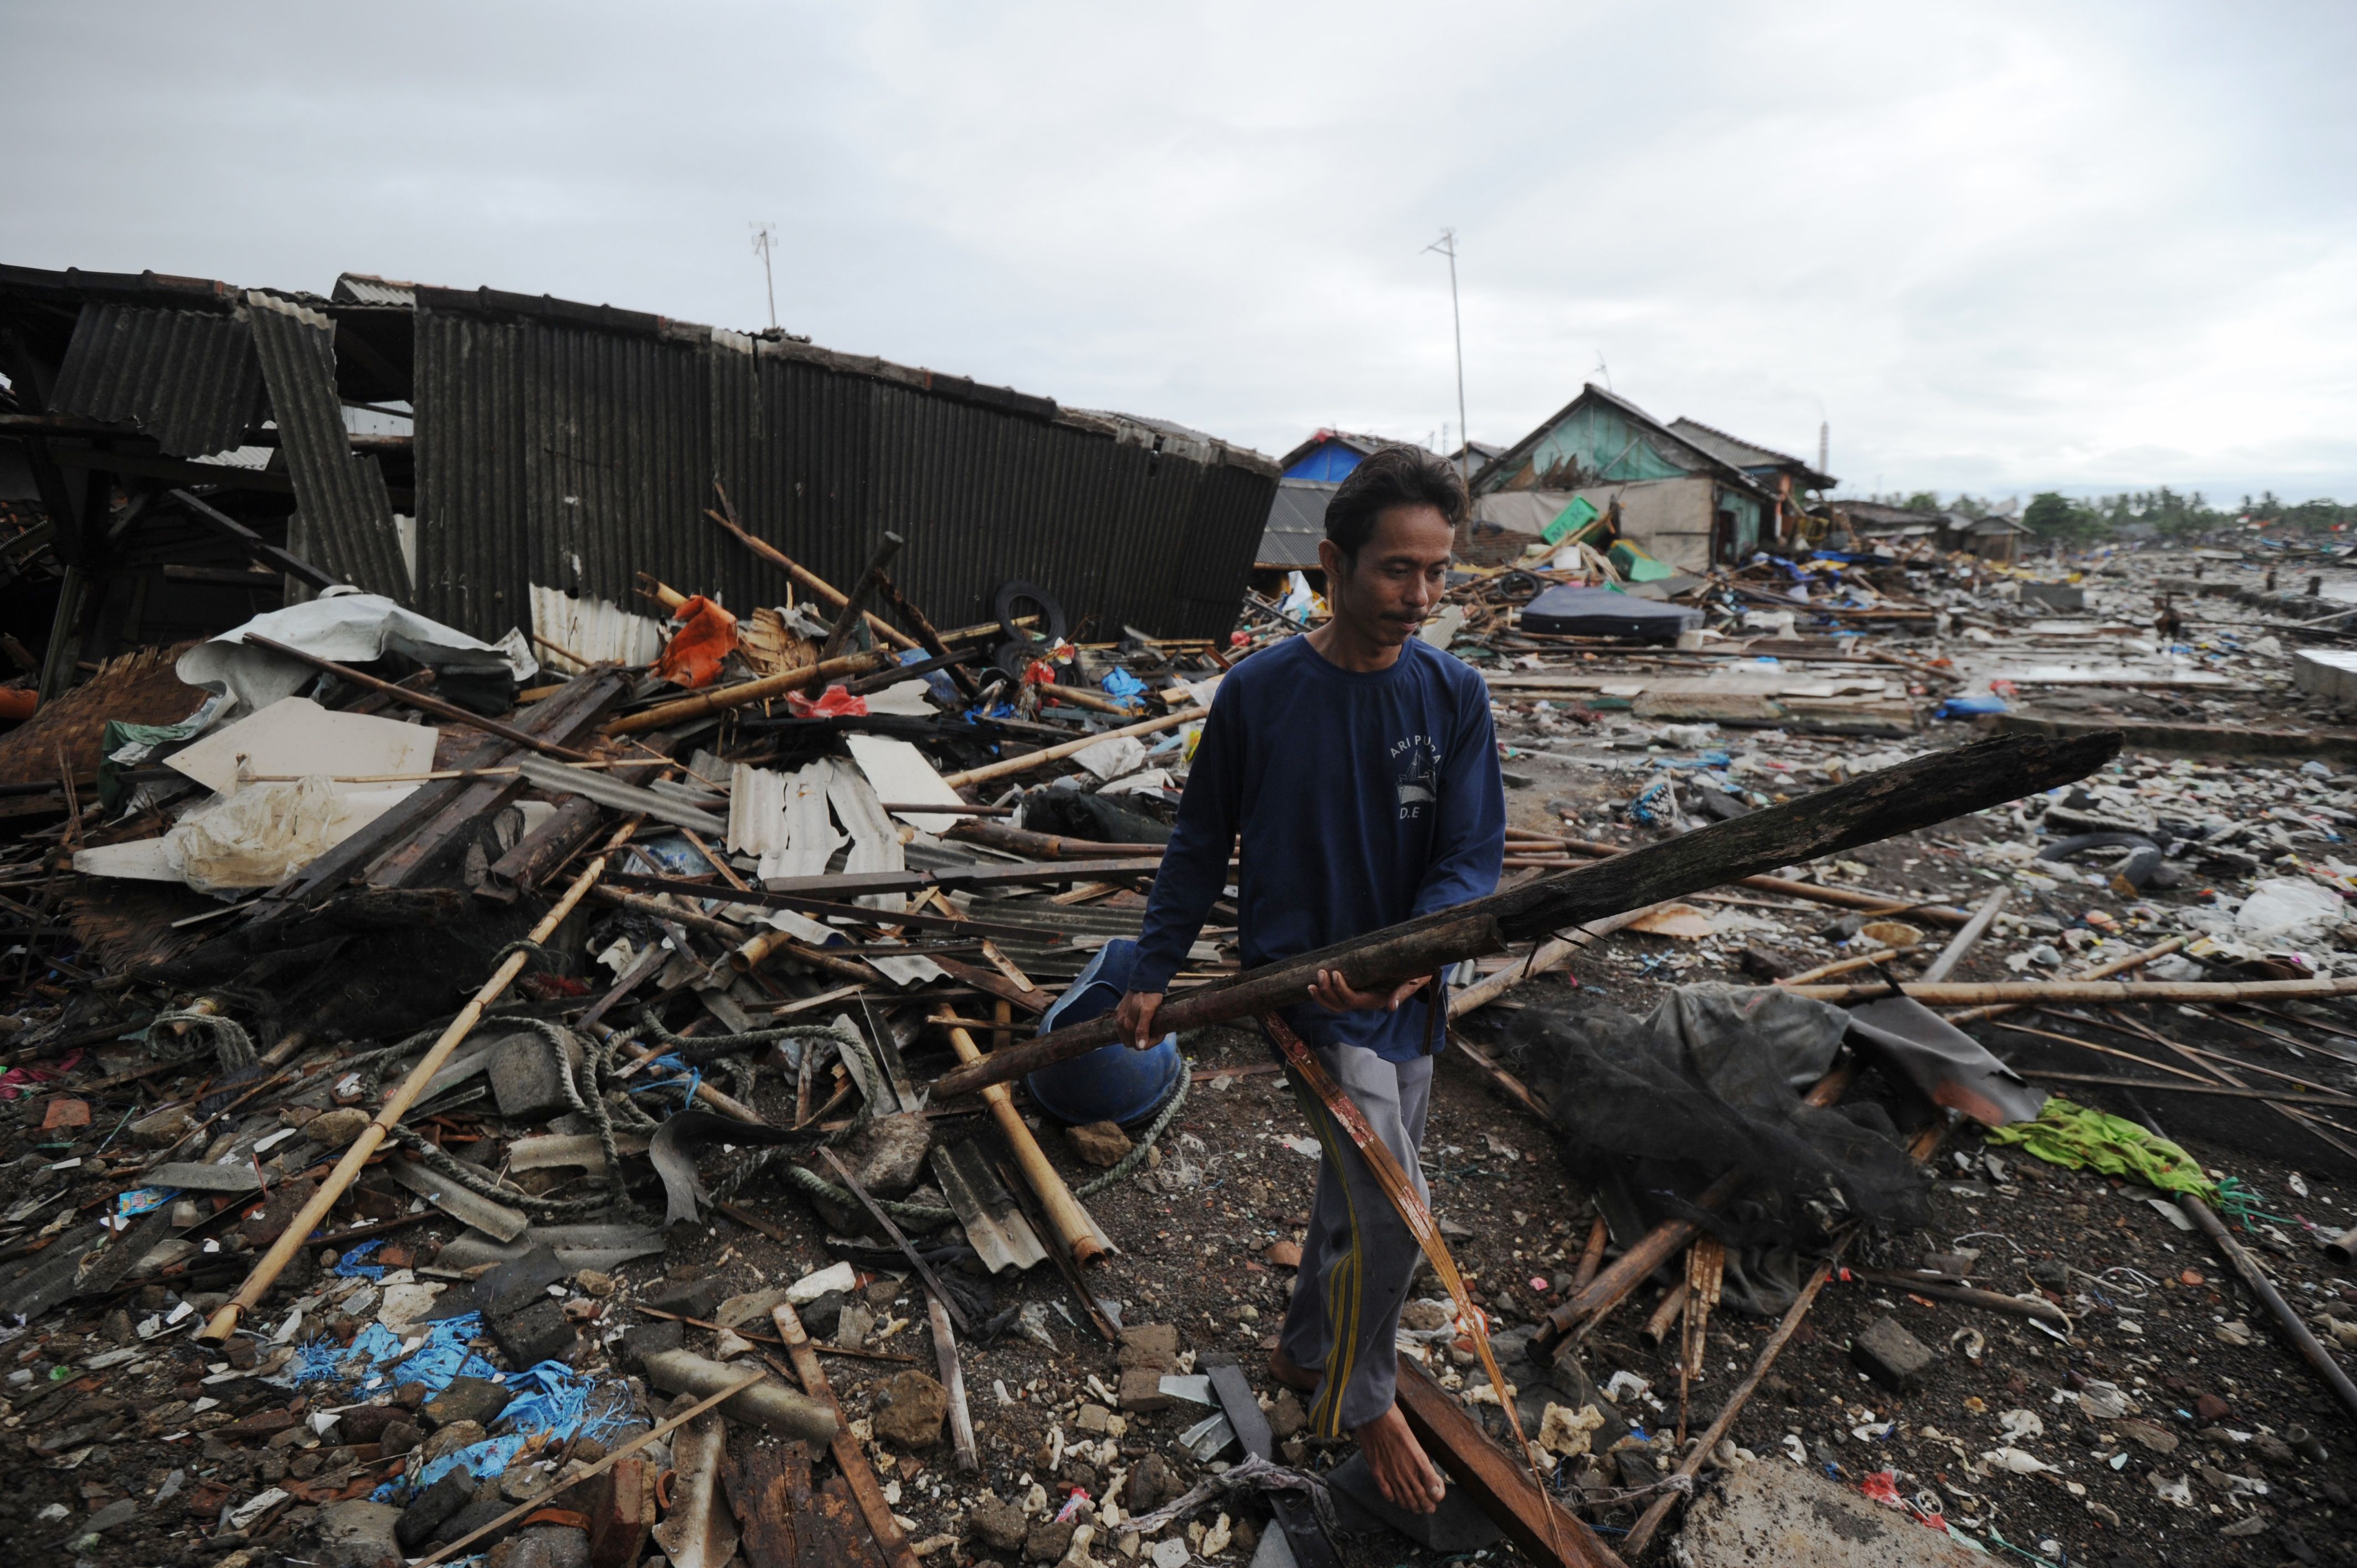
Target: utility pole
point(1447, 246)
point(765, 240)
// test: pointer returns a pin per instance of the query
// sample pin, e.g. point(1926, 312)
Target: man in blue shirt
point(1358, 767)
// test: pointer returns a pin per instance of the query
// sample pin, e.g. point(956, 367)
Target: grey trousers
point(1359, 1257)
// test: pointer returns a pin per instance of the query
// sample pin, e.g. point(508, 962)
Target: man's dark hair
point(1386, 477)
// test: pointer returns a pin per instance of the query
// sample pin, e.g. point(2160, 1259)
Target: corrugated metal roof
point(1296, 522)
point(187, 377)
point(343, 520)
point(367, 288)
point(598, 632)
point(1746, 455)
point(572, 448)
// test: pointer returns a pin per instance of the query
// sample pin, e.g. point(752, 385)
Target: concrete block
point(1773, 1512)
point(1889, 1355)
point(525, 1079)
point(541, 1332)
point(2327, 672)
point(1141, 1389)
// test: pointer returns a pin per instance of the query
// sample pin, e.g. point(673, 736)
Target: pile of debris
point(463, 1108)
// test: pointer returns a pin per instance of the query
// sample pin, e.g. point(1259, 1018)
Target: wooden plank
point(1494, 1479)
point(768, 1501)
point(863, 1487)
point(1879, 805)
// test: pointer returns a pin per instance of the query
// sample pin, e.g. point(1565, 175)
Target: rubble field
point(428, 1103)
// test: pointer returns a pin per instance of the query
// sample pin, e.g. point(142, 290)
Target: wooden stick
point(1385, 1168)
point(924, 1270)
point(661, 1429)
point(725, 699)
point(2134, 960)
point(1931, 789)
point(1667, 1310)
point(293, 1238)
point(809, 579)
point(844, 1447)
point(2318, 1359)
point(1846, 965)
point(767, 1338)
point(1073, 1222)
point(1591, 1257)
point(2111, 991)
point(953, 1384)
point(1960, 944)
point(1549, 955)
point(907, 610)
point(1642, 1536)
point(2216, 1091)
point(1968, 1295)
point(1040, 758)
point(854, 605)
point(1499, 1482)
point(421, 702)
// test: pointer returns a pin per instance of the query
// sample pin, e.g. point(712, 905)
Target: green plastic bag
point(2079, 1139)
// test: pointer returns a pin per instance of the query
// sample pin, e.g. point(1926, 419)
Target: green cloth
point(2080, 1138)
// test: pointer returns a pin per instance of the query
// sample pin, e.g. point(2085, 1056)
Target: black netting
point(1652, 1110)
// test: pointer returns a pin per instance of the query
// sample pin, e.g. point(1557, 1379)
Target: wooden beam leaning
point(809, 579)
point(1879, 805)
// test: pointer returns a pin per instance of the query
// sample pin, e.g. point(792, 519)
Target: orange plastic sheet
point(705, 638)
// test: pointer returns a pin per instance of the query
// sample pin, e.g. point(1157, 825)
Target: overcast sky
point(1999, 247)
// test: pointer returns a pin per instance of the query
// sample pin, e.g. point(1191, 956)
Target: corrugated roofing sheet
point(1296, 522)
point(187, 377)
point(343, 520)
point(570, 450)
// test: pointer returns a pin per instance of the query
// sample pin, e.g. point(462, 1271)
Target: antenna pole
point(1447, 246)
point(765, 240)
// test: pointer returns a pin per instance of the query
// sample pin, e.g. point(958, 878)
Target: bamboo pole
point(2115, 992)
point(297, 1232)
point(811, 580)
point(2101, 971)
point(749, 691)
point(1029, 760)
point(1846, 966)
point(1073, 1221)
point(945, 1353)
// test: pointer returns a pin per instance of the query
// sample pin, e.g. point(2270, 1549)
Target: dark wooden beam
point(1880, 805)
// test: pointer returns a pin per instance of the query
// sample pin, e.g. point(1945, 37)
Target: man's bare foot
point(1292, 1376)
point(1402, 1471)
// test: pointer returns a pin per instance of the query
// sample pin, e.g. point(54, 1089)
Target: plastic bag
point(2288, 908)
point(705, 638)
point(253, 838)
point(834, 702)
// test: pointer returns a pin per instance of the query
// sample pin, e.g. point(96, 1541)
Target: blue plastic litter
point(550, 1397)
point(355, 1264)
point(1643, 808)
point(143, 1199)
point(1113, 1083)
point(1119, 683)
point(1970, 707)
point(377, 1351)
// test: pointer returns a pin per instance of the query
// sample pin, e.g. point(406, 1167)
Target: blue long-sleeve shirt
point(1361, 800)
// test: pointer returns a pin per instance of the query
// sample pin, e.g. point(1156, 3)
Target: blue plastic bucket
point(1115, 1083)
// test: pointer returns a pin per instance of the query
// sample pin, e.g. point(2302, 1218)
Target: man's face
point(1398, 578)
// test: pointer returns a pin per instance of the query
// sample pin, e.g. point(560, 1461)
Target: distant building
point(1329, 456)
point(1686, 496)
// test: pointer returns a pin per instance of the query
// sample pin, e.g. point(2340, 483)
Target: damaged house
point(494, 460)
point(1692, 496)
